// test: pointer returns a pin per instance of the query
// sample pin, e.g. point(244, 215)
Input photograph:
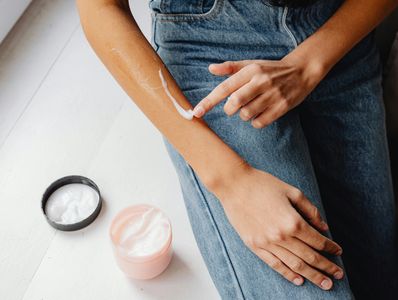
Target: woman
point(288, 132)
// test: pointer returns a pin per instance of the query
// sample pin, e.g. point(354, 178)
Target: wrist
point(218, 180)
point(313, 65)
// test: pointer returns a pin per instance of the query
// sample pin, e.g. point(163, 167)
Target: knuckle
point(258, 124)
point(315, 214)
point(313, 259)
point(278, 236)
point(245, 112)
point(297, 194)
point(284, 102)
point(255, 67)
point(297, 265)
point(275, 115)
point(323, 244)
point(236, 100)
point(229, 64)
point(267, 79)
point(258, 79)
point(288, 274)
point(294, 226)
point(206, 102)
point(225, 87)
point(275, 264)
point(331, 268)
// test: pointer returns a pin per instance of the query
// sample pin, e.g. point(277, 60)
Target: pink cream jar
point(141, 238)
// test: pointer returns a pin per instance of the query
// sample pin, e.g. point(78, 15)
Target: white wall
point(10, 11)
point(142, 15)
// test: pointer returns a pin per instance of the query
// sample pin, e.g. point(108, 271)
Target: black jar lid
point(65, 181)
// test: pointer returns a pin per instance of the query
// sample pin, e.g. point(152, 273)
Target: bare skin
point(292, 247)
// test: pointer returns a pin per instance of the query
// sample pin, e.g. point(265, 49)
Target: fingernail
point(297, 281)
point(198, 111)
point(339, 252)
point(326, 284)
point(212, 65)
point(338, 275)
point(324, 225)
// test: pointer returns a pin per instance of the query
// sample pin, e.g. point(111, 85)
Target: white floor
point(61, 113)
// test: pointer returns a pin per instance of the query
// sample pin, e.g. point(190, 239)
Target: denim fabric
point(332, 146)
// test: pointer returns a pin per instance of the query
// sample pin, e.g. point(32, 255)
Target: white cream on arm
point(186, 114)
point(144, 234)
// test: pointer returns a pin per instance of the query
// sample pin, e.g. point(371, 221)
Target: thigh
point(236, 271)
point(188, 40)
point(344, 123)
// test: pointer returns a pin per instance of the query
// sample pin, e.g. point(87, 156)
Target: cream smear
point(144, 234)
point(71, 203)
point(186, 114)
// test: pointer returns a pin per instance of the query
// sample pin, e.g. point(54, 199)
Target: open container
point(68, 189)
point(141, 266)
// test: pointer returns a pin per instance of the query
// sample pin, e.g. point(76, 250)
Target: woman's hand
point(266, 213)
point(262, 90)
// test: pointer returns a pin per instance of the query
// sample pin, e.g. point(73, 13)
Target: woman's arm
point(264, 90)
point(262, 208)
point(351, 22)
point(119, 43)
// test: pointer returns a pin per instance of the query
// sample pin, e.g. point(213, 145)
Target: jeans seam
point(284, 25)
point(183, 17)
point(200, 191)
point(153, 35)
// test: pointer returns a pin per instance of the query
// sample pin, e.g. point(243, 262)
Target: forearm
point(351, 22)
point(119, 43)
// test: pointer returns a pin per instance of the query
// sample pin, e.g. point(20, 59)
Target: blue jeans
point(332, 146)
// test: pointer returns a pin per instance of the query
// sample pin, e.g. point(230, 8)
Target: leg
point(187, 43)
point(344, 122)
point(237, 272)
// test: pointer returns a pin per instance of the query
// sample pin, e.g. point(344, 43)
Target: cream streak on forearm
point(186, 114)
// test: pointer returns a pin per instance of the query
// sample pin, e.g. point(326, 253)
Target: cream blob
point(71, 203)
point(144, 234)
point(186, 114)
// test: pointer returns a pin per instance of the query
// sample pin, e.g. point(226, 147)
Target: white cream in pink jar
point(141, 237)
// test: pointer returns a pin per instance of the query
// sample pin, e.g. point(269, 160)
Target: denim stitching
point(153, 34)
point(212, 13)
point(284, 25)
point(196, 183)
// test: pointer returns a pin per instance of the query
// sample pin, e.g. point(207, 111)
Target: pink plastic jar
point(141, 266)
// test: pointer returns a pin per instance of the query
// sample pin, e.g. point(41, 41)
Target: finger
point(316, 240)
point(241, 97)
point(312, 257)
point(230, 67)
point(309, 210)
point(220, 92)
point(255, 107)
point(299, 266)
point(276, 264)
point(269, 115)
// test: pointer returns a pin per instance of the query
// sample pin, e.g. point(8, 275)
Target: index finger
point(220, 92)
point(318, 241)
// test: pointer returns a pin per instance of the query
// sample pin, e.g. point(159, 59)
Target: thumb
point(228, 67)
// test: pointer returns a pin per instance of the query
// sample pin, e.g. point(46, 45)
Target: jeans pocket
point(185, 10)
